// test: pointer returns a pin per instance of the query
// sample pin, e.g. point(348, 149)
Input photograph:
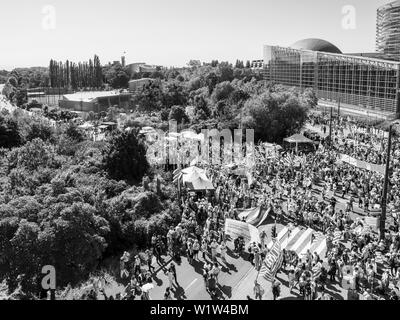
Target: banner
point(273, 262)
point(372, 222)
point(362, 164)
point(254, 216)
point(236, 229)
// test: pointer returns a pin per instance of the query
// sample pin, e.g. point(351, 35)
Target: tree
point(74, 241)
point(310, 98)
point(178, 114)
point(73, 133)
point(214, 63)
point(9, 133)
point(33, 155)
point(125, 157)
point(225, 72)
point(222, 91)
point(149, 97)
point(211, 81)
point(274, 116)
point(39, 129)
point(194, 64)
point(239, 64)
point(174, 94)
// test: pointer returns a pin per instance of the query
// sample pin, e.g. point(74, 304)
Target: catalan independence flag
point(273, 262)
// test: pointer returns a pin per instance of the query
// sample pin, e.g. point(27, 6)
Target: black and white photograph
point(215, 151)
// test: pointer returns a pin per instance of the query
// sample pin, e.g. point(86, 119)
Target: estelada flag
point(272, 262)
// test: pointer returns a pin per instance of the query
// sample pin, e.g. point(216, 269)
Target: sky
point(172, 32)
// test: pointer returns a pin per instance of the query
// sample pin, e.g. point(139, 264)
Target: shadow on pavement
point(179, 293)
point(227, 290)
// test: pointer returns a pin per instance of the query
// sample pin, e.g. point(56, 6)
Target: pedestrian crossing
point(300, 240)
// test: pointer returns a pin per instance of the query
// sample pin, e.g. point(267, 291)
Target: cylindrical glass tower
point(388, 30)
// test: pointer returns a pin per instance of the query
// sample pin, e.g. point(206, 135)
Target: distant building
point(360, 83)
point(141, 67)
point(95, 101)
point(388, 30)
point(257, 64)
point(138, 84)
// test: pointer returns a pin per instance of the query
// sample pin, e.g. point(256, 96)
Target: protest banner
point(372, 222)
point(362, 164)
point(235, 229)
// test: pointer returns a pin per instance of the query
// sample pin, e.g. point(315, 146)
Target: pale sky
point(172, 32)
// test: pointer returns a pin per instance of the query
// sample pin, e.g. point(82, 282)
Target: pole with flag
point(273, 262)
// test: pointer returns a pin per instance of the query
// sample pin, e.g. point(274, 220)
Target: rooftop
point(87, 96)
point(313, 44)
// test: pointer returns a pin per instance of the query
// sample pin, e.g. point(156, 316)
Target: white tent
point(197, 182)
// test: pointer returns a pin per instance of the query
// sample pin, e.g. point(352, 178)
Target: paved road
point(236, 281)
point(191, 283)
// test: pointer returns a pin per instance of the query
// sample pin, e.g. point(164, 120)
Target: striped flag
point(177, 174)
point(316, 270)
point(337, 236)
point(273, 262)
point(288, 160)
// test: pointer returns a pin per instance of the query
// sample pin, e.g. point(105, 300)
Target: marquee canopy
point(298, 138)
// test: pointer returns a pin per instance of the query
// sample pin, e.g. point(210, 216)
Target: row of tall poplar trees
point(76, 75)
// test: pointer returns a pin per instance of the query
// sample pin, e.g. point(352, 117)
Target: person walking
point(214, 246)
point(196, 249)
point(291, 278)
point(258, 291)
point(276, 289)
point(149, 258)
point(215, 271)
point(167, 294)
point(137, 265)
point(223, 250)
point(170, 276)
point(173, 270)
point(204, 249)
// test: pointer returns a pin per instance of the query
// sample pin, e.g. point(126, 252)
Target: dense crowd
point(303, 194)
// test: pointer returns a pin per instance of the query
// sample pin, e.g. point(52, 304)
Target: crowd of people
point(305, 194)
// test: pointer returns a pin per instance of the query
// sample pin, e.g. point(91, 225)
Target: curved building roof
point(316, 45)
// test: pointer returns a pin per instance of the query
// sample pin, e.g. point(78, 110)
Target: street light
point(382, 222)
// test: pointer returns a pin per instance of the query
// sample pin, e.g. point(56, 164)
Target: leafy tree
point(149, 97)
point(39, 130)
point(222, 91)
point(73, 132)
point(214, 63)
point(225, 72)
point(211, 81)
point(9, 133)
point(274, 116)
point(164, 114)
point(74, 241)
point(33, 155)
point(125, 157)
point(178, 113)
point(174, 94)
point(194, 63)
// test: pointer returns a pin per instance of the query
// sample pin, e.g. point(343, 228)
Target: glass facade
point(388, 30)
point(356, 81)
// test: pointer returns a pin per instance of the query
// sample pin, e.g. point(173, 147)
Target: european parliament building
point(366, 83)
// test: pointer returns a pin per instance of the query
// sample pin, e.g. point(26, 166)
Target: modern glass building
point(356, 82)
point(388, 30)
